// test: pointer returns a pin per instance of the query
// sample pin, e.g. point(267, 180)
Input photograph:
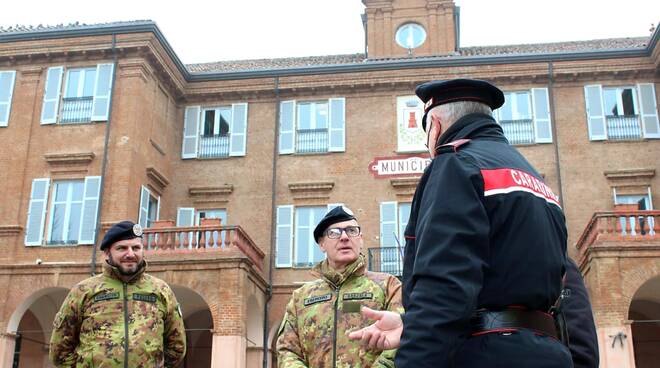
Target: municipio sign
point(399, 166)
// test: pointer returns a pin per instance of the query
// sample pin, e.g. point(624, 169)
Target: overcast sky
point(204, 31)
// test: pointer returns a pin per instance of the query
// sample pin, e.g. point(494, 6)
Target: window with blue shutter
point(595, 112)
point(50, 106)
point(648, 110)
point(284, 236)
point(90, 207)
point(238, 130)
point(7, 79)
point(36, 218)
point(102, 92)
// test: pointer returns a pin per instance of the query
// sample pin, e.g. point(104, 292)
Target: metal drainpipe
point(104, 163)
point(273, 221)
point(554, 127)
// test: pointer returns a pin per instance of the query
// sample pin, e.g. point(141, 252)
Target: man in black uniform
point(485, 244)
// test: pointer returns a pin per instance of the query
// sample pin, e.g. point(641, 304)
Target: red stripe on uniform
point(501, 181)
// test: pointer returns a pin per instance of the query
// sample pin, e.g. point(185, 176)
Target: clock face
point(410, 35)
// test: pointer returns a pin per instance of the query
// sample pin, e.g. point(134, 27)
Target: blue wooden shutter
point(90, 208)
point(649, 110)
point(542, 123)
point(143, 215)
point(102, 92)
point(7, 79)
point(287, 142)
point(185, 217)
point(593, 96)
point(52, 89)
point(238, 130)
point(284, 236)
point(336, 134)
point(34, 229)
point(388, 224)
point(190, 132)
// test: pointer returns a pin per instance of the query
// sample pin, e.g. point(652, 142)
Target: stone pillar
point(615, 345)
point(228, 351)
point(7, 346)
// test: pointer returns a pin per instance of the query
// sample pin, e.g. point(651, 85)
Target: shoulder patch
point(452, 146)
point(317, 299)
point(149, 298)
point(106, 296)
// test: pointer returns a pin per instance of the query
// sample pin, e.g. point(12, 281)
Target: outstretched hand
point(384, 334)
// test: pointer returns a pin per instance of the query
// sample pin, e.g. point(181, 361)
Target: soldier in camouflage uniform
point(121, 318)
point(319, 315)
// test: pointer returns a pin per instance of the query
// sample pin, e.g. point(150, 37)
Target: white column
point(7, 346)
point(615, 345)
point(227, 352)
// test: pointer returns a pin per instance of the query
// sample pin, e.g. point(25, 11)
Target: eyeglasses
point(335, 232)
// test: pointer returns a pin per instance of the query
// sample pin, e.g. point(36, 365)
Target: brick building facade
point(103, 123)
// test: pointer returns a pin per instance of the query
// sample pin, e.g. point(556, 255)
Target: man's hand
point(384, 334)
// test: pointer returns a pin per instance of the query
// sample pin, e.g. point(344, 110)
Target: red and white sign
point(500, 181)
point(399, 166)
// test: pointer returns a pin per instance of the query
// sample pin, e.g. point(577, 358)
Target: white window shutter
point(238, 130)
point(190, 132)
point(287, 142)
point(185, 216)
point(34, 229)
point(7, 79)
point(337, 132)
point(388, 224)
point(593, 97)
point(649, 110)
point(144, 206)
point(102, 92)
point(89, 210)
point(542, 123)
point(52, 89)
point(284, 236)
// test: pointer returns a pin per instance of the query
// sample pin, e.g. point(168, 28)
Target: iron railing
point(214, 146)
point(518, 131)
point(386, 259)
point(311, 140)
point(76, 110)
point(623, 127)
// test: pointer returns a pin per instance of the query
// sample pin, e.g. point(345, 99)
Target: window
point(149, 208)
point(634, 224)
point(295, 244)
point(622, 113)
point(410, 36)
point(312, 126)
point(215, 132)
point(72, 212)
point(7, 79)
point(85, 97)
point(525, 116)
point(393, 221)
point(410, 135)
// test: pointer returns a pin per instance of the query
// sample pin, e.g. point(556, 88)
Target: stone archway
point(199, 327)
point(644, 312)
point(31, 323)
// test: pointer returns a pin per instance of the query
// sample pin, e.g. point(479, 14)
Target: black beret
point(436, 93)
point(335, 215)
point(121, 231)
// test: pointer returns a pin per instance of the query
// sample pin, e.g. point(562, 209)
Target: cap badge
point(137, 230)
point(428, 103)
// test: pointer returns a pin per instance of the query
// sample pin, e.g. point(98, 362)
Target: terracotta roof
point(546, 48)
point(280, 63)
point(17, 29)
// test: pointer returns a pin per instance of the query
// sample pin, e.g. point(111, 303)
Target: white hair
point(453, 111)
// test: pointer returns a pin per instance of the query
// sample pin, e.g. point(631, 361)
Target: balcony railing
point(629, 227)
point(230, 240)
point(214, 146)
point(518, 131)
point(623, 127)
point(311, 140)
point(76, 110)
point(386, 259)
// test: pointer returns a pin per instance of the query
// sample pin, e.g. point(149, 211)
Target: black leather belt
point(485, 321)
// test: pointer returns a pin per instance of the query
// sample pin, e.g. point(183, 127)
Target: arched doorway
point(199, 327)
point(32, 323)
point(644, 313)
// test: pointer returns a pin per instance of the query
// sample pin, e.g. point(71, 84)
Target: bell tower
point(404, 28)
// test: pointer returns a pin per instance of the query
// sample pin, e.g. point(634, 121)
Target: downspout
point(551, 99)
point(104, 163)
point(273, 221)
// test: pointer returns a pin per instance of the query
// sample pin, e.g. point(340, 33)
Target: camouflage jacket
point(107, 322)
point(321, 313)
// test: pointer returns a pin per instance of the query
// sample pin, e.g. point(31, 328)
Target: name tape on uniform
point(106, 296)
point(150, 298)
point(357, 296)
point(317, 299)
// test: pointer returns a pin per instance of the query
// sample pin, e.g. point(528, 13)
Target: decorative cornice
point(225, 189)
point(157, 177)
point(629, 174)
point(10, 230)
point(80, 158)
point(404, 183)
point(311, 190)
